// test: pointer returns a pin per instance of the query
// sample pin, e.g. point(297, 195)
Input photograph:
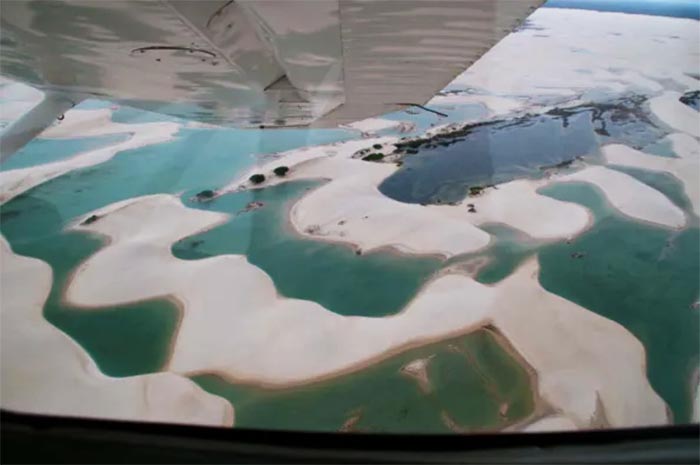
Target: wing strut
point(32, 123)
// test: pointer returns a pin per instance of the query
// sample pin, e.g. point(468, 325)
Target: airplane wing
point(271, 63)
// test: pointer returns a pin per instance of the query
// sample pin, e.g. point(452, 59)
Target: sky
point(676, 8)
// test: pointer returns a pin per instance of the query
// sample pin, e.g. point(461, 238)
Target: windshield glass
point(518, 253)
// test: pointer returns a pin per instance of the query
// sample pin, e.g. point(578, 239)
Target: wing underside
point(253, 62)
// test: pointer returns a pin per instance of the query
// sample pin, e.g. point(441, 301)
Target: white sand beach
point(497, 106)
point(235, 323)
point(669, 109)
point(631, 197)
point(44, 371)
point(83, 123)
point(371, 126)
point(247, 332)
point(350, 209)
point(686, 167)
point(568, 52)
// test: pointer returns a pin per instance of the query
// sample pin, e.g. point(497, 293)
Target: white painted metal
point(252, 62)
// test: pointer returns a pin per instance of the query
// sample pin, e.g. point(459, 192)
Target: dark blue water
point(444, 168)
point(674, 8)
point(692, 99)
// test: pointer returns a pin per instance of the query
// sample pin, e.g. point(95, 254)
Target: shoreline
point(15, 182)
point(632, 198)
point(683, 168)
point(233, 320)
point(291, 347)
point(323, 211)
point(359, 366)
point(615, 211)
point(415, 342)
point(539, 406)
point(395, 249)
point(392, 249)
point(155, 397)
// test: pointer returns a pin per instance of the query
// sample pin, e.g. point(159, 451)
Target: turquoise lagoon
point(644, 277)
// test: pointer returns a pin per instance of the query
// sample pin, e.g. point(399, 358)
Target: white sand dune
point(89, 123)
point(631, 197)
point(297, 157)
point(567, 52)
point(350, 208)
point(44, 371)
point(579, 356)
point(372, 125)
point(235, 324)
point(518, 205)
point(497, 106)
point(669, 109)
point(686, 168)
point(83, 123)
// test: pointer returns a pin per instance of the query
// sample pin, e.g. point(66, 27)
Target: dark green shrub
point(281, 170)
point(476, 190)
point(91, 219)
point(206, 194)
point(257, 178)
point(377, 146)
point(373, 157)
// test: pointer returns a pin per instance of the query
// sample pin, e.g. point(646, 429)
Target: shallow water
point(372, 284)
point(470, 379)
point(135, 338)
point(665, 183)
point(490, 153)
point(41, 151)
point(645, 278)
point(647, 283)
point(508, 250)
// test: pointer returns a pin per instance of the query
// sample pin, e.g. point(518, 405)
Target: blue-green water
point(661, 148)
point(645, 278)
point(473, 384)
point(665, 183)
point(127, 339)
point(509, 248)
point(41, 151)
point(371, 284)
